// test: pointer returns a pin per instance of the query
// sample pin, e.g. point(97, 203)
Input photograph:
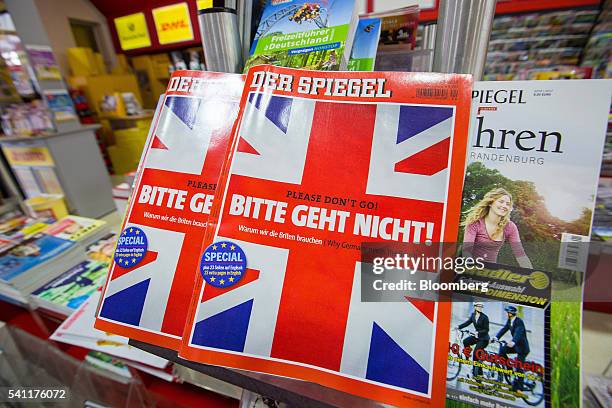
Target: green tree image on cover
point(304, 34)
point(312, 60)
point(540, 231)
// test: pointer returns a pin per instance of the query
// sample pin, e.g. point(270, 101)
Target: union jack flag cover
point(321, 162)
point(170, 203)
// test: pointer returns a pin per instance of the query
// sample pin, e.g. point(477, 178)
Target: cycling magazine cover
point(529, 195)
point(499, 351)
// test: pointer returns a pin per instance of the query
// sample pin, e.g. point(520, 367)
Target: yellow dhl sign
point(204, 4)
point(132, 31)
point(173, 23)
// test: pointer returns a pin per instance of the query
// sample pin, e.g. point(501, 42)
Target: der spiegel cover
point(320, 163)
point(147, 293)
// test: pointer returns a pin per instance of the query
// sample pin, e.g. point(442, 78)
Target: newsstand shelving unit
point(305, 394)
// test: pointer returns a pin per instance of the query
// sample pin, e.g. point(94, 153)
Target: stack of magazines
point(102, 250)
point(17, 228)
point(61, 296)
point(69, 290)
point(77, 330)
point(81, 230)
point(33, 262)
point(34, 253)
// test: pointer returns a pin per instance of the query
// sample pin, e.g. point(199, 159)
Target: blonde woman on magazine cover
point(487, 226)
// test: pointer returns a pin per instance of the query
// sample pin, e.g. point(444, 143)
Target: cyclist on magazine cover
point(481, 324)
point(519, 343)
point(488, 225)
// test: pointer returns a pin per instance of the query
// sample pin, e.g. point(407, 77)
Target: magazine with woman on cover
point(533, 165)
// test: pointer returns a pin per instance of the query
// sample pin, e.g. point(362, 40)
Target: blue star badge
point(131, 247)
point(223, 264)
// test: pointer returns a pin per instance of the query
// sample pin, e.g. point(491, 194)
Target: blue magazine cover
point(30, 254)
point(365, 45)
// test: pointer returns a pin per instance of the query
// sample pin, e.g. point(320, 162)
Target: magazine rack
point(460, 47)
point(296, 393)
point(78, 166)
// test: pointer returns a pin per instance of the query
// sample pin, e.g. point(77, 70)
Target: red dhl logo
point(174, 25)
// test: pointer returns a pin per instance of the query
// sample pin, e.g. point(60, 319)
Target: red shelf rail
point(521, 6)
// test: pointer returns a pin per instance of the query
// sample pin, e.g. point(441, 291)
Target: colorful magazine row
point(329, 36)
point(266, 189)
point(71, 257)
point(54, 266)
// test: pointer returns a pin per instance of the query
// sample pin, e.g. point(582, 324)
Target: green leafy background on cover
point(540, 231)
point(541, 234)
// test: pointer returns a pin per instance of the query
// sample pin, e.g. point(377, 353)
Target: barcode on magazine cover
point(432, 92)
point(573, 252)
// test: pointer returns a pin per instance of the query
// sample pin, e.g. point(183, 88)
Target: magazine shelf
point(521, 6)
point(293, 392)
point(72, 163)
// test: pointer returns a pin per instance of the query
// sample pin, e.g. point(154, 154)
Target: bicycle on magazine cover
point(530, 389)
point(454, 366)
point(530, 383)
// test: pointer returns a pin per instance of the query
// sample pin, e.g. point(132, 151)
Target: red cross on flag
point(320, 163)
